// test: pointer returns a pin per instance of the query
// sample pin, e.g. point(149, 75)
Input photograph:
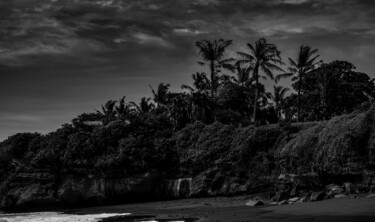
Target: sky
point(61, 58)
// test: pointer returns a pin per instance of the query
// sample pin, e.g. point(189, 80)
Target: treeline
point(126, 137)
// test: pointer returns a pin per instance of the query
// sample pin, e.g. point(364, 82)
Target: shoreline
point(235, 209)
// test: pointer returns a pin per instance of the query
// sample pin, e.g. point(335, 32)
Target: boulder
point(340, 196)
point(254, 203)
point(334, 189)
point(317, 196)
point(294, 199)
point(284, 202)
point(349, 187)
point(371, 195)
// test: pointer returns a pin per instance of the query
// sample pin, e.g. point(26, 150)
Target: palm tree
point(242, 74)
point(212, 52)
point(108, 111)
point(278, 98)
point(263, 56)
point(122, 108)
point(144, 106)
point(201, 83)
point(161, 94)
point(304, 63)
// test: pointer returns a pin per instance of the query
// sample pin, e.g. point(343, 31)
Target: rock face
point(254, 203)
point(40, 188)
point(97, 190)
point(29, 187)
point(316, 196)
point(309, 162)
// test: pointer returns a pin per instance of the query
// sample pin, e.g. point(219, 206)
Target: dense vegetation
point(176, 131)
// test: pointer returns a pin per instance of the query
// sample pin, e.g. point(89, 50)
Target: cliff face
point(222, 160)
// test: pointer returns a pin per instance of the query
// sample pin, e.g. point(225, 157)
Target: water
point(61, 217)
point(55, 217)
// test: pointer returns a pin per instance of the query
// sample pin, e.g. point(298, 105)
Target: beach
point(235, 209)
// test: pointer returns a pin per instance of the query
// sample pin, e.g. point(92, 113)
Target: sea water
point(55, 217)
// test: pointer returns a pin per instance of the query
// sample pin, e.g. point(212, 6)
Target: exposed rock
point(316, 196)
point(371, 195)
point(29, 188)
point(199, 186)
point(334, 189)
point(255, 202)
point(294, 199)
point(284, 202)
point(340, 196)
point(98, 190)
point(349, 187)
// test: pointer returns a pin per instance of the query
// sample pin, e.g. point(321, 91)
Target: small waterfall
point(179, 188)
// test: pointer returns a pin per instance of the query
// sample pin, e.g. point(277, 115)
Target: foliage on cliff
point(341, 145)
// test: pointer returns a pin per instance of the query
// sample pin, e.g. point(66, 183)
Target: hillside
point(73, 167)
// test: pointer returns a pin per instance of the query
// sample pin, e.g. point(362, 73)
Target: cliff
point(280, 160)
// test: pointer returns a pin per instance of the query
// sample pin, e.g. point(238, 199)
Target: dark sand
point(234, 209)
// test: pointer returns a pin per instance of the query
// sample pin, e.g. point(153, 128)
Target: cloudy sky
point(60, 58)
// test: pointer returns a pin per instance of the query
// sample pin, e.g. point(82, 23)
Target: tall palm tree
point(144, 106)
point(278, 98)
point(304, 63)
point(243, 77)
point(122, 108)
point(201, 83)
point(212, 52)
point(108, 111)
point(263, 56)
point(161, 94)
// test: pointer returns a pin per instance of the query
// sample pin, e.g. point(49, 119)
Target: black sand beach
point(234, 209)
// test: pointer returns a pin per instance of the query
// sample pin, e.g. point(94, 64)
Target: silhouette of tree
point(161, 94)
point(263, 56)
point(122, 109)
point(334, 89)
point(278, 98)
point(304, 63)
point(243, 77)
point(201, 83)
point(212, 53)
point(145, 106)
point(108, 111)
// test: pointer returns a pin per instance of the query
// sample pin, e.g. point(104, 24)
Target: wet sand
point(234, 209)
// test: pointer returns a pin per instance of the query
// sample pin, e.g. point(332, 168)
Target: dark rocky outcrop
point(302, 162)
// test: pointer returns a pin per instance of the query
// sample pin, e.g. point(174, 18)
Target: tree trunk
point(278, 114)
point(213, 79)
point(299, 98)
point(256, 93)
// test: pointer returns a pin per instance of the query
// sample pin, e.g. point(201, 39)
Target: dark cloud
point(59, 58)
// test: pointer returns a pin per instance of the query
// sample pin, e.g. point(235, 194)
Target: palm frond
point(283, 76)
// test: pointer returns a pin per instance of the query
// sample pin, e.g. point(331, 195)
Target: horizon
point(59, 59)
